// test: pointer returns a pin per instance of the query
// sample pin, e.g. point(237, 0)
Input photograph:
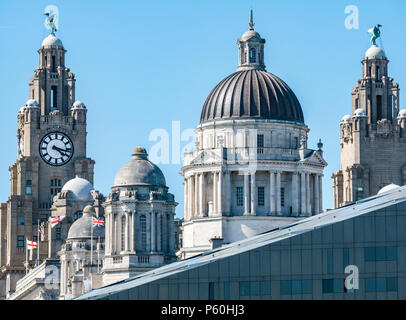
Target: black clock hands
point(63, 152)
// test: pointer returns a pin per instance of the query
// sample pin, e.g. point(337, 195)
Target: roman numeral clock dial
point(56, 148)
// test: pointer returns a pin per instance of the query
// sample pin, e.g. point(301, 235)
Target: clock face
point(56, 148)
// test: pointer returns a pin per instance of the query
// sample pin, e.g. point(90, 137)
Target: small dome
point(31, 103)
point(402, 114)
point(82, 228)
point(360, 113)
point(388, 188)
point(52, 42)
point(250, 34)
point(375, 53)
point(346, 119)
point(139, 171)
point(80, 188)
point(78, 105)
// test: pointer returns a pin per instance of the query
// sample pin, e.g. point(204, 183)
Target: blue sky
point(140, 65)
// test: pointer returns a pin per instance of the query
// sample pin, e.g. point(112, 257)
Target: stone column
point(220, 194)
point(246, 196)
point(253, 194)
point(148, 227)
point(320, 193)
point(185, 199)
point(308, 192)
point(228, 189)
point(134, 224)
point(110, 229)
point(202, 196)
point(316, 195)
point(159, 232)
point(302, 194)
point(189, 198)
point(153, 234)
point(127, 231)
point(171, 233)
point(278, 194)
point(272, 203)
point(164, 232)
point(215, 209)
point(196, 196)
point(295, 195)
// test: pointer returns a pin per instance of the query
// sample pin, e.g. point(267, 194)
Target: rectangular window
point(369, 254)
point(58, 233)
point(254, 288)
point(211, 290)
point(329, 260)
point(226, 290)
point(20, 241)
point(286, 287)
point(265, 288)
point(328, 285)
point(307, 286)
point(380, 254)
point(261, 196)
point(296, 286)
point(282, 197)
point(244, 288)
point(20, 218)
point(370, 285)
point(28, 188)
point(346, 257)
point(260, 143)
point(240, 196)
point(381, 284)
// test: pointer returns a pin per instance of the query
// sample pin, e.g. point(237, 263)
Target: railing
point(143, 259)
point(117, 260)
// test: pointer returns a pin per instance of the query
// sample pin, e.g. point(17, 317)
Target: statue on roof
point(375, 33)
point(51, 20)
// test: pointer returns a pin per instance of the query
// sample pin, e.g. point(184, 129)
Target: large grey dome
point(252, 94)
point(139, 171)
point(82, 228)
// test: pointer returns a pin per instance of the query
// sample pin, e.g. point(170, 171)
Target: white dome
point(346, 119)
point(375, 53)
point(360, 113)
point(80, 188)
point(402, 114)
point(52, 42)
point(78, 105)
point(31, 103)
point(21, 111)
point(388, 188)
point(250, 34)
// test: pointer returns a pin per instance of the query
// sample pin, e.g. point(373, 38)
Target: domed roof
point(402, 114)
point(346, 119)
point(80, 188)
point(388, 188)
point(31, 103)
point(375, 53)
point(139, 171)
point(252, 94)
point(250, 34)
point(52, 42)
point(360, 113)
point(82, 228)
point(78, 105)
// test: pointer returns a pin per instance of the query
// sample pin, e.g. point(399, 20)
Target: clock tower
point(51, 138)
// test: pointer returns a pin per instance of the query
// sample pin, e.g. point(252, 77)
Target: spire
point(251, 24)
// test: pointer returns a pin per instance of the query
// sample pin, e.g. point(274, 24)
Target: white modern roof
point(362, 207)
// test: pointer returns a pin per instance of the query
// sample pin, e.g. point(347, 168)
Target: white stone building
point(251, 170)
point(139, 220)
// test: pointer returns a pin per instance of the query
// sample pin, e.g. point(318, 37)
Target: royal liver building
point(251, 170)
point(372, 139)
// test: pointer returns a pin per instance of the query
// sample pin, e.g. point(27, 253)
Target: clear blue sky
point(142, 64)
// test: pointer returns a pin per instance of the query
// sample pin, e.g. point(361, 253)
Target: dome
point(31, 103)
point(82, 228)
point(139, 171)
point(51, 42)
point(346, 119)
point(402, 114)
point(80, 188)
point(252, 94)
point(250, 34)
point(21, 111)
point(388, 188)
point(375, 53)
point(78, 105)
point(360, 113)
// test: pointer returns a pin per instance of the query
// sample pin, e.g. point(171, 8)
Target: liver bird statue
point(375, 33)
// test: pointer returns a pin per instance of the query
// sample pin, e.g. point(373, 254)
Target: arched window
point(123, 226)
point(143, 227)
point(253, 54)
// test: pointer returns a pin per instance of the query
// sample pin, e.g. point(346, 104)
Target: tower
point(51, 139)
point(251, 170)
point(372, 140)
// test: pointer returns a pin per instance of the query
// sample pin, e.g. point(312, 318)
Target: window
point(55, 187)
point(28, 188)
point(329, 260)
point(381, 284)
point(244, 288)
point(378, 107)
point(20, 241)
point(380, 254)
point(346, 257)
point(20, 218)
point(226, 290)
point(211, 290)
point(143, 226)
point(296, 287)
point(282, 197)
point(333, 285)
point(261, 196)
point(77, 215)
point(253, 54)
point(58, 233)
point(240, 196)
point(260, 143)
point(253, 288)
